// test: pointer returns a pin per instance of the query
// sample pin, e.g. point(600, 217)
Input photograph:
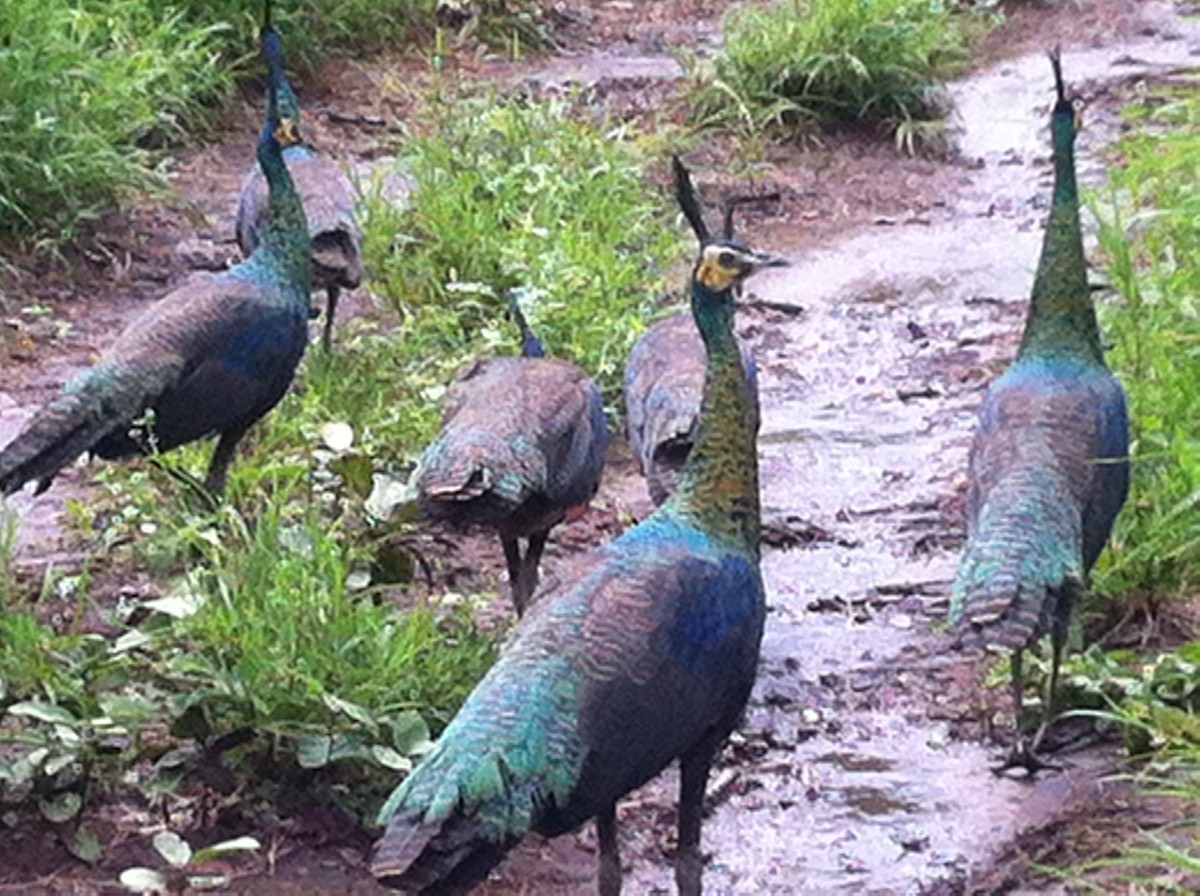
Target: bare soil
point(833, 725)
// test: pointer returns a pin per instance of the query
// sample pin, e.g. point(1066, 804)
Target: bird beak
point(767, 260)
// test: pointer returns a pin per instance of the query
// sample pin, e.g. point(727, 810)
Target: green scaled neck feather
point(1062, 319)
point(719, 486)
point(285, 238)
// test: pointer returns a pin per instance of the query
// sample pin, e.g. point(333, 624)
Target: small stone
point(337, 437)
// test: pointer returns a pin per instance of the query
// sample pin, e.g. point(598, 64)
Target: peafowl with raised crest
point(211, 357)
point(664, 376)
point(647, 655)
point(1048, 467)
point(325, 191)
point(522, 446)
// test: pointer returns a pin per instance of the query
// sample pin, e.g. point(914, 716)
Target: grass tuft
point(1150, 235)
point(795, 66)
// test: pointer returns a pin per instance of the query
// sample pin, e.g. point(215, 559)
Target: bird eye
point(726, 259)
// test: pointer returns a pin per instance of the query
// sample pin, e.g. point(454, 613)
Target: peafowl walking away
point(1048, 466)
point(664, 376)
point(648, 655)
point(522, 445)
point(325, 191)
point(211, 357)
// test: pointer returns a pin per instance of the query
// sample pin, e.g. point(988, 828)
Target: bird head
point(725, 264)
point(278, 87)
point(1065, 106)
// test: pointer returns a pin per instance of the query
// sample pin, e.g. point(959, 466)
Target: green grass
point(794, 66)
point(292, 625)
point(94, 92)
point(519, 195)
point(1150, 237)
point(87, 89)
point(1150, 234)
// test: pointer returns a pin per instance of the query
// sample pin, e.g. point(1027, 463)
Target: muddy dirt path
point(860, 767)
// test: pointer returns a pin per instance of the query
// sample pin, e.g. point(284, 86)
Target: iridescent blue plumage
point(212, 357)
point(324, 189)
point(646, 654)
point(1048, 469)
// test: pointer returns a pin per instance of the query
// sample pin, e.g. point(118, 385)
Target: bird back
point(522, 441)
point(604, 685)
point(328, 198)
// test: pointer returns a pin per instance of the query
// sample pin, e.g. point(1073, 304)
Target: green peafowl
point(325, 191)
point(648, 654)
point(213, 356)
point(522, 445)
point(1048, 466)
point(664, 376)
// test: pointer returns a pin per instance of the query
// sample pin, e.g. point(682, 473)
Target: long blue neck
point(1062, 319)
point(719, 485)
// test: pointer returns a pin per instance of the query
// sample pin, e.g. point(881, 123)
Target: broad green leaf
point(143, 880)
point(207, 881)
point(85, 845)
point(61, 807)
point(43, 712)
point(237, 844)
point(389, 758)
point(313, 750)
point(353, 710)
point(56, 764)
point(408, 731)
point(173, 848)
point(356, 471)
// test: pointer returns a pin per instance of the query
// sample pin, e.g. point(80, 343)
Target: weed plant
point(93, 91)
point(1150, 235)
point(86, 90)
point(513, 195)
point(280, 631)
point(1150, 238)
point(794, 66)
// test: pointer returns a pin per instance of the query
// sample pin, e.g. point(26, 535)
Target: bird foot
point(1024, 755)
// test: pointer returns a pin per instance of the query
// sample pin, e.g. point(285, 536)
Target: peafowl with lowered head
point(522, 447)
point(325, 191)
point(647, 655)
point(211, 357)
point(1048, 467)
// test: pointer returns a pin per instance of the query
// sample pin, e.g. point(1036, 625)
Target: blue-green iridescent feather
point(649, 651)
point(1048, 467)
point(211, 357)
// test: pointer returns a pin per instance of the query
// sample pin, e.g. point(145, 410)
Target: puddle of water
point(844, 783)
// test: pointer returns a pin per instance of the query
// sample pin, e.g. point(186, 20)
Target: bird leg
point(1024, 753)
point(331, 293)
point(218, 467)
point(512, 559)
point(693, 777)
point(529, 565)
point(610, 858)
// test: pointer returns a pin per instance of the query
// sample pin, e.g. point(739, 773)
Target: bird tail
point(1022, 567)
point(451, 821)
point(70, 424)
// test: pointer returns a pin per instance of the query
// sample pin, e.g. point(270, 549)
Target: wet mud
point(863, 764)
